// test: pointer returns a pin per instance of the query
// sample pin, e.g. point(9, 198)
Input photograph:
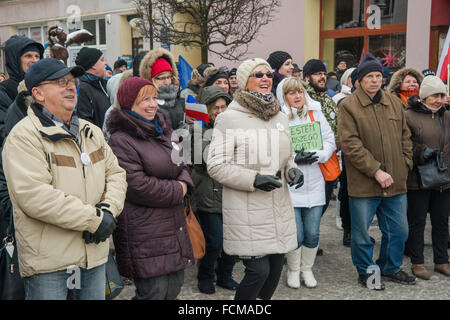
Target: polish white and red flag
point(444, 61)
point(196, 110)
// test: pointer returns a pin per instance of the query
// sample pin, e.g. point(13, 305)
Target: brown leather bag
point(194, 230)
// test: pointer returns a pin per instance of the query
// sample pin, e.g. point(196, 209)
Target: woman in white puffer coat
point(308, 201)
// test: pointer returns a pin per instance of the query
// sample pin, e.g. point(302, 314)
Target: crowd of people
point(88, 156)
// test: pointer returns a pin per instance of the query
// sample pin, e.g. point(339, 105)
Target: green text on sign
point(307, 136)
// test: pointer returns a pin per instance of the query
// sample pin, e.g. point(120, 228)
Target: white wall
point(285, 33)
point(418, 34)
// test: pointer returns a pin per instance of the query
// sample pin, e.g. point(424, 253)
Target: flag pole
point(448, 79)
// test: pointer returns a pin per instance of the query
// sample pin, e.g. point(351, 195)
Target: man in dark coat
point(20, 52)
point(93, 99)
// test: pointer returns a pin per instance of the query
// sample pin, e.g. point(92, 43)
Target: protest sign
point(307, 136)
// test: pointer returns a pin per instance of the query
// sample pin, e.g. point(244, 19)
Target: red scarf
point(405, 94)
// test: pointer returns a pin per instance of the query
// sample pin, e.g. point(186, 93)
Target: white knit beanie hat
point(346, 75)
point(246, 68)
point(431, 85)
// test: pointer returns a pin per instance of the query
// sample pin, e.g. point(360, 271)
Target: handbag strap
point(311, 115)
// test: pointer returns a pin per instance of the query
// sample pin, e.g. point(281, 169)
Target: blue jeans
point(55, 285)
point(212, 227)
point(307, 221)
point(393, 223)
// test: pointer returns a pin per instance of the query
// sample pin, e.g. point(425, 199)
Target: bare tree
point(223, 27)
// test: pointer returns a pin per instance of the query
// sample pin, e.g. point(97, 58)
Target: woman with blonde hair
point(309, 200)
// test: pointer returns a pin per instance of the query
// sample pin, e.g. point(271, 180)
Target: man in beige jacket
point(66, 188)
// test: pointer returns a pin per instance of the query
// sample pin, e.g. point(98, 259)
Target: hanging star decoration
point(389, 59)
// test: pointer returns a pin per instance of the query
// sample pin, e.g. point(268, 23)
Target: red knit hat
point(128, 91)
point(159, 66)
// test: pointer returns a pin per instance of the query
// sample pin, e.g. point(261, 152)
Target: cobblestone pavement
point(335, 274)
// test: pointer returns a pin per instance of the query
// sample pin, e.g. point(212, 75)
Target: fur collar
point(262, 109)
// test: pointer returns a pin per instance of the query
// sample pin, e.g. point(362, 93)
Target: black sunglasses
point(259, 75)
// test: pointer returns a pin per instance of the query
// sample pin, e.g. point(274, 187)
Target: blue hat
point(368, 64)
point(49, 69)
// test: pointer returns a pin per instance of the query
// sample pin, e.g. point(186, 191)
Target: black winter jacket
point(93, 100)
point(8, 88)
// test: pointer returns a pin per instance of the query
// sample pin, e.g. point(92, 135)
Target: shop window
point(390, 48)
point(349, 49)
point(343, 14)
point(392, 11)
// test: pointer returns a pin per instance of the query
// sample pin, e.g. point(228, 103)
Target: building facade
point(400, 32)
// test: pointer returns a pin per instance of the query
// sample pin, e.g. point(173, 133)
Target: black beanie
point(212, 78)
point(368, 64)
point(277, 58)
point(34, 47)
point(87, 57)
point(232, 72)
point(312, 66)
point(201, 68)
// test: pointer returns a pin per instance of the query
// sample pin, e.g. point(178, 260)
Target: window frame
point(357, 32)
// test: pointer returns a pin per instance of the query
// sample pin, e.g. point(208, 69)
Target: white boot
point(338, 215)
point(308, 257)
point(293, 268)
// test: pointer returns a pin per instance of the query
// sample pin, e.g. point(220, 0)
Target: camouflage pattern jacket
point(329, 108)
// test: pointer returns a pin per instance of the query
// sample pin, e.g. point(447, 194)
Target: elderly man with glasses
point(66, 188)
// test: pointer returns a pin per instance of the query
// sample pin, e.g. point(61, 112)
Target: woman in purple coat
point(152, 244)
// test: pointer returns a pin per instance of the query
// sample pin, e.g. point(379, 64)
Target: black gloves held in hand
point(296, 178)
point(266, 182)
point(303, 157)
point(106, 227)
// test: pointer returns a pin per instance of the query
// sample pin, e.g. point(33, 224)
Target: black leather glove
point(88, 237)
point(106, 227)
point(429, 153)
point(266, 182)
point(296, 178)
point(305, 157)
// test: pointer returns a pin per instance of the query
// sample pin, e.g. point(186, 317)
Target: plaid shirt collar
point(73, 126)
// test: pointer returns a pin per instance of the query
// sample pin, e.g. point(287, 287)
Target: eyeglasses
point(259, 75)
point(63, 83)
point(164, 78)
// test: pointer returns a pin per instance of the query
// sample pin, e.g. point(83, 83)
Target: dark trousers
point(261, 277)
point(212, 227)
point(329, 187)
point(165, 287)
point(344, 209)
point(438, 204)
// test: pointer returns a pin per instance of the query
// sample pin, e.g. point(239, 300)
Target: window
point(89, 25)
point(391, 48)
point(102, 31)
point(95, 26)
point(343, 14)
point(344, 32)
point(392, 11)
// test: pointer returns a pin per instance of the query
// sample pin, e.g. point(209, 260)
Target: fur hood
point(397, 79)
point(151, 57)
